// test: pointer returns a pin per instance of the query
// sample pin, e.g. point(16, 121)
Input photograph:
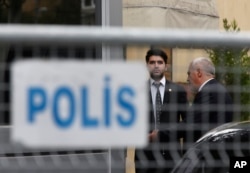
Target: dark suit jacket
point(173, 109)
point(211, 107)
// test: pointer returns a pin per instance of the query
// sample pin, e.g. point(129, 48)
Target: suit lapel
point(151, 108)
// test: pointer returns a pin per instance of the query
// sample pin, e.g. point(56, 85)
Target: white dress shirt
point(154, 90)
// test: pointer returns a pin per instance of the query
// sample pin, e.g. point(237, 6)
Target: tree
point(233, 71)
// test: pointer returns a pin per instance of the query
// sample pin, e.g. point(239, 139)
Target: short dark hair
point(156, 52)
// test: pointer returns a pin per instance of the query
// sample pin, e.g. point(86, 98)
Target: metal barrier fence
point(211, 153)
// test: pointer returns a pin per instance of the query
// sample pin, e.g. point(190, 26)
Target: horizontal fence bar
point(77, 35)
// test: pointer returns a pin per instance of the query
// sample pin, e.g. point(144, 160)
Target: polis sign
point(79, 104)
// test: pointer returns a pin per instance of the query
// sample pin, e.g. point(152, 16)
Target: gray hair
point(204, 64)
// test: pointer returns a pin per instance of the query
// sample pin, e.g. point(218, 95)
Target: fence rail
point(64, 35)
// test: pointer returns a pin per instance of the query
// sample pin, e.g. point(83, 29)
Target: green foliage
point(232, 67)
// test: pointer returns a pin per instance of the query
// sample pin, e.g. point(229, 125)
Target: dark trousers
point(153, 161)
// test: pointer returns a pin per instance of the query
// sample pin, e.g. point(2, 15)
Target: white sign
point(79, 104)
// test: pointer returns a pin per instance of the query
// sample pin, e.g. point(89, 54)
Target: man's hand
point(153, 136)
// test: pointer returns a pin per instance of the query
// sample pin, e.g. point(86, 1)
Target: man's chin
point(156, 77)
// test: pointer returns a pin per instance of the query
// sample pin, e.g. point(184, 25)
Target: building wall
point(229, 9)
point(170, 14)
point(234, 9)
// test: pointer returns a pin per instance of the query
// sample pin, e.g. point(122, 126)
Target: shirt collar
point(162, 81)
point(204, 84)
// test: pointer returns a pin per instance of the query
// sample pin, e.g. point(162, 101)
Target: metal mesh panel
point(209, 154)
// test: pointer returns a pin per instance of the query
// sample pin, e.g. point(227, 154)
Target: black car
point(213, 151)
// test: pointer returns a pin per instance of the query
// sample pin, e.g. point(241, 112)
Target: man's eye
point(151, 62)
point(160, 62)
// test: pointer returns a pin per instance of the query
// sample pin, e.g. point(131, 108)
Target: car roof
point(212, 152)
point(226, 131)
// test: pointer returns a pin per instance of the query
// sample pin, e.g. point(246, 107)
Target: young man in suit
point(212, 104)
point(168, 103)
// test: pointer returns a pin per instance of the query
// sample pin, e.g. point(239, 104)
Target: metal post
point(112, 16)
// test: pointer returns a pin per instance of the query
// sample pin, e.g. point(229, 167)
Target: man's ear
point(199, 72)
point(167, 68)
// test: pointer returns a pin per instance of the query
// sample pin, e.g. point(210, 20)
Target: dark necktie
point(158, 104)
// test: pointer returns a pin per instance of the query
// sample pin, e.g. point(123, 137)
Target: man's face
point(193, 78)
point(156, 67)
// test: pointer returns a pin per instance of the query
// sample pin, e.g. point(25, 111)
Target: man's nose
point(157, 64)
